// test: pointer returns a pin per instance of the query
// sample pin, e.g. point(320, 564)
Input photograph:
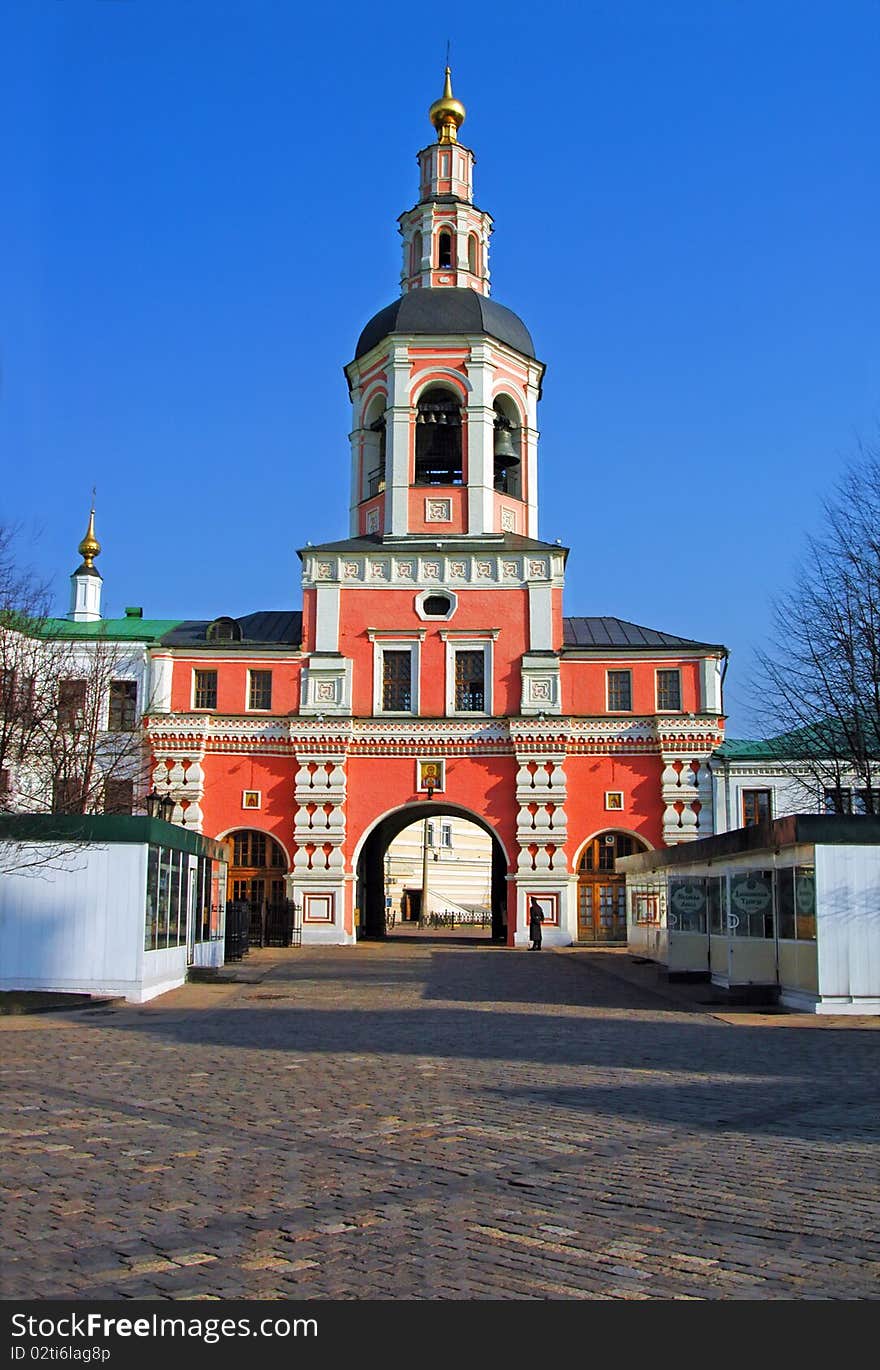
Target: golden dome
point(447, 114)
point(90, 546)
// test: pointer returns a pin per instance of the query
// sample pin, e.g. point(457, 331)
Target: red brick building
point(432, 668)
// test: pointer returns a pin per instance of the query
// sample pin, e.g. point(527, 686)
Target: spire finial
point(447, 114)
point(90, 546)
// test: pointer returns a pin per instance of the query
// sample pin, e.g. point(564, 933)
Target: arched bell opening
point(507, 447)
point(373, 465)
point(438, 438)
point(378, 882)
point(445, 249)
point(416, 250)
point(601, 908)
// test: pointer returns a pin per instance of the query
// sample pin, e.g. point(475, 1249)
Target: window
point(866, 801)
point(444, 251)
point(224, 630)
point(750, 912)
point(470, 682)
point(446, 835)
point(619, 691)
point(5, 783)
point(397, 681)
point(436, 606)
point(416, 260)
point(756, 807)
point(838, 800)
point(668, 690)
point(205, 689)
point(686, 906)
point(118, 796)
point(71, 700)
point(260, 690)
point(67, 795)
point(8, 699)
point(472, 254)
point(438, 438)
point(123, 706)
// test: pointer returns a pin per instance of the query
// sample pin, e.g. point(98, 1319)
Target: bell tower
point(445, 382)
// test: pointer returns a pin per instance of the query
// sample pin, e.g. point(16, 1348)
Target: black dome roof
point(446, 310)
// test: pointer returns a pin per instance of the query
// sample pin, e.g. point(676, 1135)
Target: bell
point(504, 450)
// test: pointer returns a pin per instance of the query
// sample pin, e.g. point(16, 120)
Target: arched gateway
point(371, 899)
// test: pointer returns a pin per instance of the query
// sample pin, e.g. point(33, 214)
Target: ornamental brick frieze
point(541, 823)
point(319, 821)
point(385, 568)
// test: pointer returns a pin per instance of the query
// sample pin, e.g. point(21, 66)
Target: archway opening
point(601, 891)
point(458, 853)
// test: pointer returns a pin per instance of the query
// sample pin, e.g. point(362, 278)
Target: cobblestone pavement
point(435, 1121)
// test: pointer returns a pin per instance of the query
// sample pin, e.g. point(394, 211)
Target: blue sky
point(200, 206)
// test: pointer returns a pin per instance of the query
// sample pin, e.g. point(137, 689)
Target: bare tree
point(818, 682)
point(71, 733)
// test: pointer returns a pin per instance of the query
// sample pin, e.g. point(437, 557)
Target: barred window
point(205, 689)
point(470, 682)
point(669, 690)
point(397, 681)
point(619, 691)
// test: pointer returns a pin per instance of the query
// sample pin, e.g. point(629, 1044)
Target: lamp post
point(430, 784)
point(160, 806)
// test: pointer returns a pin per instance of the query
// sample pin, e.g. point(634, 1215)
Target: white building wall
point(848, 917)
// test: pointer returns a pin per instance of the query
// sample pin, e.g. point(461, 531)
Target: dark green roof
point(96, 829)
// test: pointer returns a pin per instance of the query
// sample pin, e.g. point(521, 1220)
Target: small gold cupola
point(90, 547)
point(447, 114)
point(85, 583)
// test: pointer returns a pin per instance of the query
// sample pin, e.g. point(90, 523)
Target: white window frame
point(476, 644)
point(667, 669)
point(617, 670)
point(386, 644)
point(262, 670)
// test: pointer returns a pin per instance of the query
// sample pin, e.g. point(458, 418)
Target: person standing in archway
point(536, 918)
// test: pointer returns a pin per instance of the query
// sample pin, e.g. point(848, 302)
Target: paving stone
point(437, 1122)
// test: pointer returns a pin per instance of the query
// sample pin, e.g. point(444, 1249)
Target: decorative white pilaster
point(319, 831)
point(542, 832)
point(680, 790)
point(182, 776)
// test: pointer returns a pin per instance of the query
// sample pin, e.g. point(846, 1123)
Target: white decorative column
point(182, 776)
point(542, 832)
point(680, 790)
point(317, 883)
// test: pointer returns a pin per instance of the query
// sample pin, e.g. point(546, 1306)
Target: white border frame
point(475, 644)
point(251, 808)
point(433, 761)
point(263, 670)
point(619, 670)
point(391, 644)
point(667, 669)
point(430, 594)
point(612, 807)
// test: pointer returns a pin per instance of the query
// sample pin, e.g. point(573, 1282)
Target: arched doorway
point(372, 873)
point(256, 868)
point(601, 892)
